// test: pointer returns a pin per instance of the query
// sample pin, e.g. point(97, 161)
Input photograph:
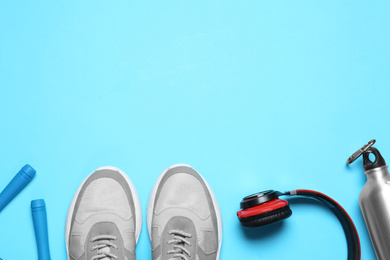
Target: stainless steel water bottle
point(374, 199)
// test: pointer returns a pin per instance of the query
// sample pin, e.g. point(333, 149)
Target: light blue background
point(254, 95)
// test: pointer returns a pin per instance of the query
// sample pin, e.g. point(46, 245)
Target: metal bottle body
point(374, 203)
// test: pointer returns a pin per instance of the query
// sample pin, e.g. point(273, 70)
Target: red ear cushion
point(267, 217)
point(262, 208)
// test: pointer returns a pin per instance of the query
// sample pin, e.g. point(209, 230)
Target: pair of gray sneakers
point(183, 218)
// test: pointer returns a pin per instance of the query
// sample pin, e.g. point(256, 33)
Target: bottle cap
point(378, 162)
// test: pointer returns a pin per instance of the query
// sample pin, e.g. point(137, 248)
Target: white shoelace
point(103, 247)
point(179, 242)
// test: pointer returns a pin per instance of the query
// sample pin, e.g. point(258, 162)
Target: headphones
point(265, 207)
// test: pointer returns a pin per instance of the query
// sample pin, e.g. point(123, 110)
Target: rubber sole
point(134, 194)
point(152, 198)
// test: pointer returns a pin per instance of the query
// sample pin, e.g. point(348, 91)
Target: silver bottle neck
point(377, 173)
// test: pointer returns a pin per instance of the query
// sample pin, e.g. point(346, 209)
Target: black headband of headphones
point(345, 220)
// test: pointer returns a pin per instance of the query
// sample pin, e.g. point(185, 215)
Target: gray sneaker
point(104, 219)
point(184, 220)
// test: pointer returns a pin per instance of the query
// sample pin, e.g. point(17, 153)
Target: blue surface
point(254, 95)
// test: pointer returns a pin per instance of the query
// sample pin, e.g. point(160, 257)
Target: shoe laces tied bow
point(103, 246)
point(179, 241)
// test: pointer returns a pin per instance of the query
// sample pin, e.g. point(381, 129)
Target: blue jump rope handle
point(21, 179)
point(38, 209)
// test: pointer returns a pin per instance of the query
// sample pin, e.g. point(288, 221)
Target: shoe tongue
point(181, 224)
point(102, 229)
